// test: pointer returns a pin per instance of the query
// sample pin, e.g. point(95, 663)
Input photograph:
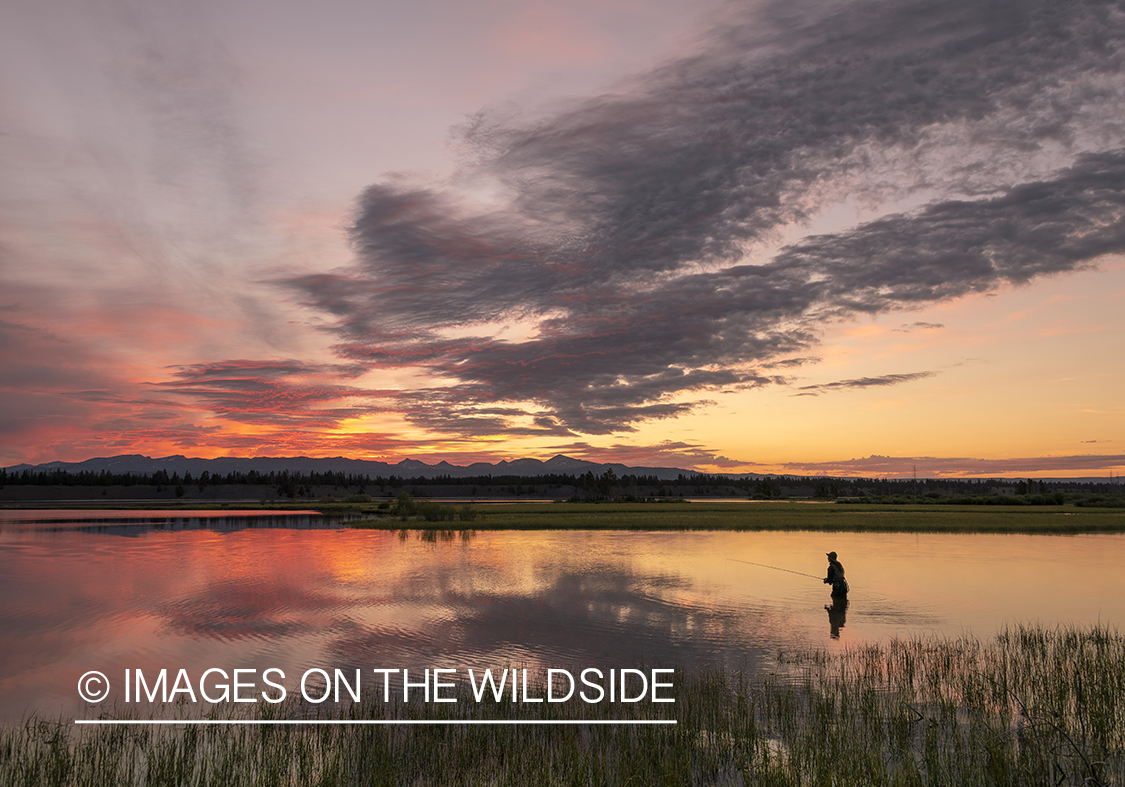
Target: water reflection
point(224, 592)
point(135, 523)
point(837, 616)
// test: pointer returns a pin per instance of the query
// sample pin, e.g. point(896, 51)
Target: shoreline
point(653, 516)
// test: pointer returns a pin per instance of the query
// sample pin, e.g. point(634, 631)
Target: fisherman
point(835, 577)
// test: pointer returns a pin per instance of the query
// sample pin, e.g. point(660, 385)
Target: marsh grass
point(824, 517)
point(1033, 706)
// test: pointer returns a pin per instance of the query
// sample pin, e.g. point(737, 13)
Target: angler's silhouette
point(835, 577)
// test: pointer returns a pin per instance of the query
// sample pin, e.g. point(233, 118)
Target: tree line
point(589, 485)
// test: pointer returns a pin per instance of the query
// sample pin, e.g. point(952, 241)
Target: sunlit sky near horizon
point(804, 237)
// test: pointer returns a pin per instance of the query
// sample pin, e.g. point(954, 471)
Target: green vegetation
point(1030, 707)
point(780, 516)
point(935, 498)
point(676, 514)
point(406, 507)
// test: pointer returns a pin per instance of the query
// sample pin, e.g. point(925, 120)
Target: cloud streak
point(633, 242)
point(275, 393)
point(863, 382)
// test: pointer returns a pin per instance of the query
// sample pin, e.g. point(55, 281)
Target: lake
point(111, 591)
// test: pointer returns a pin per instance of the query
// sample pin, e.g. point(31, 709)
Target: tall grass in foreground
point(1031, 707)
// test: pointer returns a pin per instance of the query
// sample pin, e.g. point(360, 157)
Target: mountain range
point(407, 468)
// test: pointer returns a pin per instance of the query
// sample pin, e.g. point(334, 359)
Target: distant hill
point(407, 468)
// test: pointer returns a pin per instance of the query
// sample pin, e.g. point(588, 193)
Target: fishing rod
point(775, 568)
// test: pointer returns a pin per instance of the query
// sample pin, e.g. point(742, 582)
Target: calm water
point(152, 590)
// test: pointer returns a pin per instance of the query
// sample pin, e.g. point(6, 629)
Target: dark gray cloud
point(863, 382)
point(632, 241)
point(791, 363)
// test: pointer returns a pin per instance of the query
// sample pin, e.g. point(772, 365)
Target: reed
point(1033, 706)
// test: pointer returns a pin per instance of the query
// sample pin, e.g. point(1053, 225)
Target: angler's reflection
point(837, 615)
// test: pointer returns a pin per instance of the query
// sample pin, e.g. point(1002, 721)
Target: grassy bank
point(1031, 707)
point(774, 516)
point(673, 515)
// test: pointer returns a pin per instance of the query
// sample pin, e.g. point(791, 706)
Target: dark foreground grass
point(1031, 707)
point(773, 516)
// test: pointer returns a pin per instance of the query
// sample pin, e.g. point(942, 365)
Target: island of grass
point(406, 513)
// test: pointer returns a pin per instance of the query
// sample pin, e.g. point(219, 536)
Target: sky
point(848, 238)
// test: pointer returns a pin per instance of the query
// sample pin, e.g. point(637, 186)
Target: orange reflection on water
point(131, 597)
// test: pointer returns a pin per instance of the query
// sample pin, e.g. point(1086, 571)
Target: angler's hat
point(831, 555)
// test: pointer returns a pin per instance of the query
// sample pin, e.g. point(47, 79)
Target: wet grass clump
point(1032, 706)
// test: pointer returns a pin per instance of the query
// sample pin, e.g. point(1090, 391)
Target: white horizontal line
point(387, 722)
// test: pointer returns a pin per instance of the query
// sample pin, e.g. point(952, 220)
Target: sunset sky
point(802, 236)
